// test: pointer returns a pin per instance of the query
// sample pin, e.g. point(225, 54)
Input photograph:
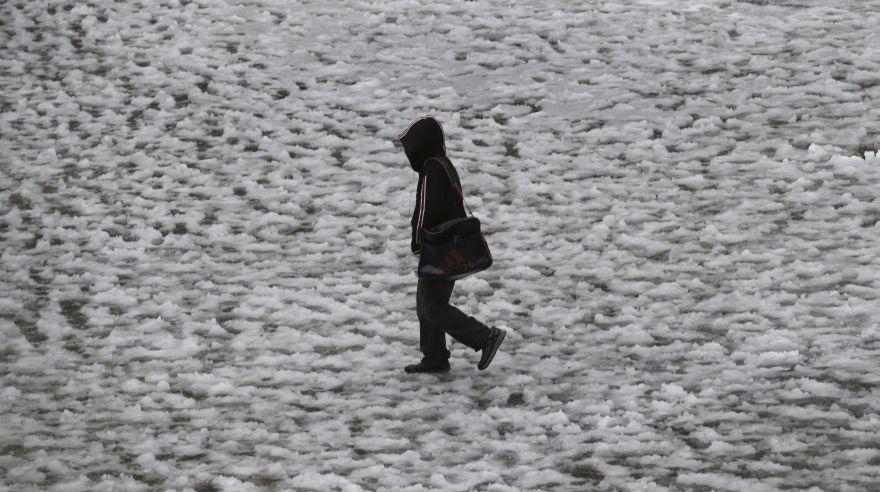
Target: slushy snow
point(205, 280)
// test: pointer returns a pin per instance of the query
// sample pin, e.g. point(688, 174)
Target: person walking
point(436, 202)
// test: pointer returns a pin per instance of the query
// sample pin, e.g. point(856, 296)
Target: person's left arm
point(435, 191)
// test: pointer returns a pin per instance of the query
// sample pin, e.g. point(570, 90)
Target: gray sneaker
point(495, 339)
point(424, 367)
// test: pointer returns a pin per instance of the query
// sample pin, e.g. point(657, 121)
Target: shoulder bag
point(454, 249)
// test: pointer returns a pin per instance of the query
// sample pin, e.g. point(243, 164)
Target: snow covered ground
point(205, 280)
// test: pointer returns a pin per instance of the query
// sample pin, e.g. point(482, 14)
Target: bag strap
point(452, 181)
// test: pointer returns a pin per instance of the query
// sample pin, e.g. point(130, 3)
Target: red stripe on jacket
point(420, 222)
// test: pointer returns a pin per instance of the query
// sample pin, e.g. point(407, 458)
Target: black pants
point(437, 318)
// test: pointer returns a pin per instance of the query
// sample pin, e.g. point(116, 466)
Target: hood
point(422, 140)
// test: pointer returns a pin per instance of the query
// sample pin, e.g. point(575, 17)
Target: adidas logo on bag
point(454, 262)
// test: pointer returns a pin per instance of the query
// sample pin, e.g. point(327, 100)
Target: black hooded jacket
point(437, 199)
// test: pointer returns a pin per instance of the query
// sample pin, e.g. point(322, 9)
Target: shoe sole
point(438, 371)
point(501, 336)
